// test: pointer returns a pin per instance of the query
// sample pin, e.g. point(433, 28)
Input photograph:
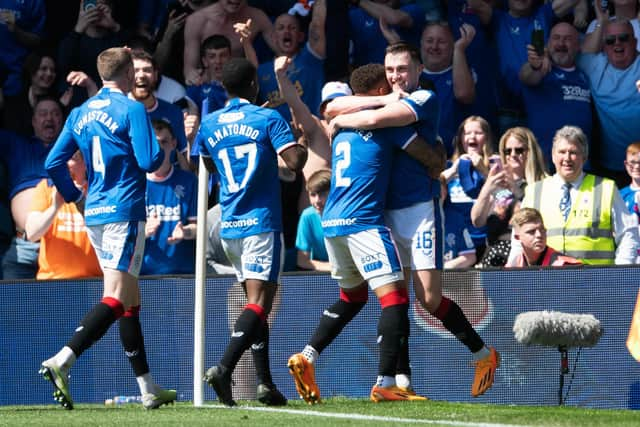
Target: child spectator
point(630, 193)
point(312, 254)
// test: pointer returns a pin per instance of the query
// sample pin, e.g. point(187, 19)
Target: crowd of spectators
point(508, 75)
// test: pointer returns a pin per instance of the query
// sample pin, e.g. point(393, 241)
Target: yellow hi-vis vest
point(588, 234)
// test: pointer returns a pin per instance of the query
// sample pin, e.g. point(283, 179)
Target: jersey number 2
point(239, 152)
point(343, 148)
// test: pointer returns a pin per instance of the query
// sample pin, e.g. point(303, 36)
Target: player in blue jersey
point(242, 142)
point(171, 213)
point(360, 247)
point(117, 142)
point(414, 212)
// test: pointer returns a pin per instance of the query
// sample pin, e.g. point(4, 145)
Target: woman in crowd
point(520, 163)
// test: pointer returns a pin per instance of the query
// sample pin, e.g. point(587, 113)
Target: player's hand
point(177, 235)
point(438, 160)
point(334, 127)
point(151, 226)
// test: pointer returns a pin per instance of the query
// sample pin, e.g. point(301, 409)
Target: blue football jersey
point(361, 162)
point(172, 199)
point(119, 145)
point(244, 140)
point(410, 180)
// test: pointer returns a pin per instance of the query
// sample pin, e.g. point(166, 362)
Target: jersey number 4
point(239, 152)
point(96, 155)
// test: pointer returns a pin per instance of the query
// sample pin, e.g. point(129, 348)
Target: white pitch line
point(363, 417)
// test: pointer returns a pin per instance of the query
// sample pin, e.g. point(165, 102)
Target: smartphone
point(537, 40)
point(495, 160)
point(89, 4)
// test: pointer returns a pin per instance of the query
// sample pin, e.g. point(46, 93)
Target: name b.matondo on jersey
point(232, 128)
point(97, 116)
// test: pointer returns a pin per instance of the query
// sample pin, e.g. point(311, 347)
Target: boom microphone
point(556, 329)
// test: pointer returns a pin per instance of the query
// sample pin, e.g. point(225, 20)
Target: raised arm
point(245, 32)
point(592, 42)
point(393, 16)
point(164, 49)
point(534, 70)
point(299, 110)
point(192, 36)
point(496, 179)
point(464, 87)
point(562, 7)
point(262, 25)
point(317, 33)
point(482, 9)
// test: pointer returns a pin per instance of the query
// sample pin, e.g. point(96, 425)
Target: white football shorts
point(259, 257)
point(369, 255)
point(418, 230)
point(119, 245)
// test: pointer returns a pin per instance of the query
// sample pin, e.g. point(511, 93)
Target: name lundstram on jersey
point(164, 213)
point(233, 130)
point(101, 210)
point(239, 223)
point(96, 116)
point(338, 222)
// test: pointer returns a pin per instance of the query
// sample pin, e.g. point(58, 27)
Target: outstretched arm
point(192, 34)
point(299, 110)
point(464, 87)
point(393, 16)
point(317, 33)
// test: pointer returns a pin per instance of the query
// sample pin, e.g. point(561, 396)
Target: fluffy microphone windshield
point(553, 328)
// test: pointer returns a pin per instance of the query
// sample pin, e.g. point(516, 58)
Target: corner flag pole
point(200, 278)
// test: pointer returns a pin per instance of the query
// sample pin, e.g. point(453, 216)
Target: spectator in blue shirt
point(312, 253)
